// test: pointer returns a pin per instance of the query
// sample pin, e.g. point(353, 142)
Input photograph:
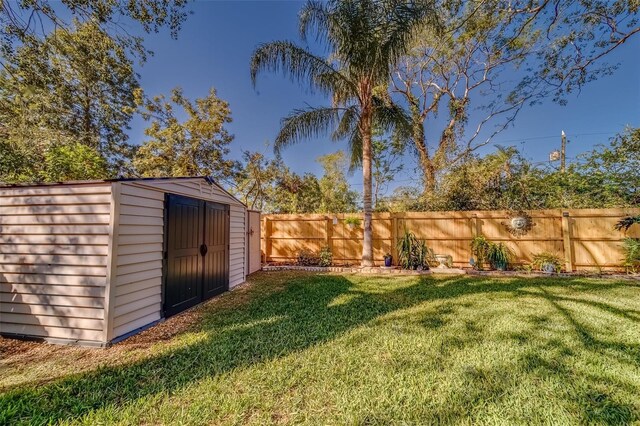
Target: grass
point(342, 349)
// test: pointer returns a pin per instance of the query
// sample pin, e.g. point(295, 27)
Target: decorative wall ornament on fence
point(519, 223)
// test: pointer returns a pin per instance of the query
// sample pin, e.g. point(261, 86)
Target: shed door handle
point(203, 249)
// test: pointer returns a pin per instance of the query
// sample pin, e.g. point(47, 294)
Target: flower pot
point(351, 226)
point(388, 261)
point(500, 266)
point(548, 268)
point(443, 261)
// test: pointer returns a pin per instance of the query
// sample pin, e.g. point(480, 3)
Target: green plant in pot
point(547, 262)
point(352, 222)
point(388, 260)
point(499, 256)
point(413, 253)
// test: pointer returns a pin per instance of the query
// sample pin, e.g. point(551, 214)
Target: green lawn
point(336, 349)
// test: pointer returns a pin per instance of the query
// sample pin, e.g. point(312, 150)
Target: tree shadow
point(301, 315)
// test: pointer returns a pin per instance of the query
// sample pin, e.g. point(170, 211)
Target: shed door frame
point(204, 237)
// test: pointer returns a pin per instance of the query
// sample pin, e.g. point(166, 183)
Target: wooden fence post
point(394, 237)
point(566, 239)
point(329, 233)
point(267, 225)
point(475, 225)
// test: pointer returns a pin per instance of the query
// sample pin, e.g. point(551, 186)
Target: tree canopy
point(197, 146)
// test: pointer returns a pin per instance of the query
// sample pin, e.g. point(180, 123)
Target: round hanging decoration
point(519, 223)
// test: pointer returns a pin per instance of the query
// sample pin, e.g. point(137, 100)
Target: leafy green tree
point(614, 170)
point(386, 164)
point(67, 76)
point(73, 161)
point(196, 146)
point(404, 199)
point(256, 180)
point(337, 195)
point(295, 194)
point(364, 40)
point(76, 85)
point(16, 164)
point(607, 176)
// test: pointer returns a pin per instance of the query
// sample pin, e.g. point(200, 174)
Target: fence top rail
point(481, 214)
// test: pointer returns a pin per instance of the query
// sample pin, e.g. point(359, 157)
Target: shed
point(93, 262)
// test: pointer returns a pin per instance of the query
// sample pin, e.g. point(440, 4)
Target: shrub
point(631, 247)
point(480, 250)
point(413, 253)
point(325, 257)
point(308, 258)
point(541, 259)
point(353, 221)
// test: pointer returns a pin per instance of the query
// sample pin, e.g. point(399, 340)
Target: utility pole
point(563, 153)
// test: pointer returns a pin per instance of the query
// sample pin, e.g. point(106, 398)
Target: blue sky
point(215, 45)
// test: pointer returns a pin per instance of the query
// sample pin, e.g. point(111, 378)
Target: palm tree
point(364, 40)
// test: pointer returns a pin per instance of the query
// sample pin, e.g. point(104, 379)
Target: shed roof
point(207, 179)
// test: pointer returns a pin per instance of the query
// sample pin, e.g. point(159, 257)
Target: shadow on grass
point(267, 327)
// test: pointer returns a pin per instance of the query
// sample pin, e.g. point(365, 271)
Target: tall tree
point(255, 182)
point(364, 39)
point(67, 76)
point(197, 146)
point(497, 57)
point(30, 20)
point(337, 195)
point(386, 164)
point(74, 86)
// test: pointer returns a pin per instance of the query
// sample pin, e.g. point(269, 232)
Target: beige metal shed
point(94, 262)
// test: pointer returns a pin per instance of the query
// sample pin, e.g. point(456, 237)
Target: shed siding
point(138, 291)
point(237, 242)
point(53, 260)
point(138, 281)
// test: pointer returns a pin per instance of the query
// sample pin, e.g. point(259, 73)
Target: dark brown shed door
point(216, 260)
point(197, 242)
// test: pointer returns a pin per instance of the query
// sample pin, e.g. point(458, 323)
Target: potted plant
point(388, 260)
point(499, 256)
point(547, 262)
point(352, 222)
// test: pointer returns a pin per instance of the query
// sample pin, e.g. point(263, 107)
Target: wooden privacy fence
point(584, 238)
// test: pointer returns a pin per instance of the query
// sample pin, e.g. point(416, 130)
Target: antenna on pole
point(563, 153)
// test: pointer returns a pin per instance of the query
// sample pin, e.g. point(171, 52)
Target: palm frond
point(403, 22)
point(306, 123)
point(347, 125)
point(392, 118)
point(297, 63)
point(314, 15)
point(355, 150)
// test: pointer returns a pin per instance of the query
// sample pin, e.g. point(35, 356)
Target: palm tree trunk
point(365, 129)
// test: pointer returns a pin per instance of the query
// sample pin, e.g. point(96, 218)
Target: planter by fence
point(584, 238)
